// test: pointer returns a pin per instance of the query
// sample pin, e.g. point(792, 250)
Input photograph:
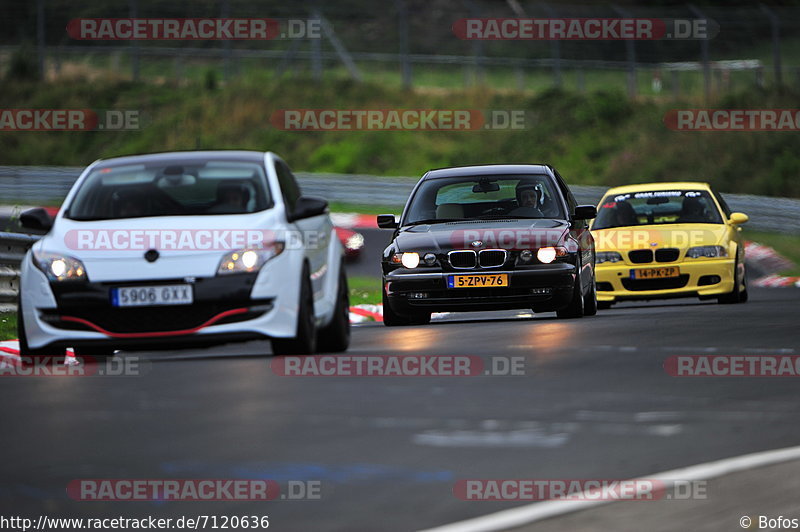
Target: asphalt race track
point(594, 402)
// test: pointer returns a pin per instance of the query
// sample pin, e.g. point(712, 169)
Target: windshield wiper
point(436, 221)
point(507, 217)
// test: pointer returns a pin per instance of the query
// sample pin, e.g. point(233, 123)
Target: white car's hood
point(188, 246)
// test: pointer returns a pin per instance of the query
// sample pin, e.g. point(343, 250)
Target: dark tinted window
point(289, 187)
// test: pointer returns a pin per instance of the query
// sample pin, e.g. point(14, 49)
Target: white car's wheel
point(305, 340)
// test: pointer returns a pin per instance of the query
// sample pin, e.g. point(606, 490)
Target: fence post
point(133, 6)
point(316, 49)
point(40, 37)
point(555, 49)
point(630, 52)
point(705, 58)
point(225, 12)
point(402, 28)
point(775, 26)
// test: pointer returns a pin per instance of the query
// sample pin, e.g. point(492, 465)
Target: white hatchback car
point(182, 249)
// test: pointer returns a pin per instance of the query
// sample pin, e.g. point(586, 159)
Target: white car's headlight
point(248, 260)
point(608, 256)
point(59, 267)
point(706, 251)
point(355, 241)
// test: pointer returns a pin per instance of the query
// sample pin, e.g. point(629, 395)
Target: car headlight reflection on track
point(706, 251)
point(248, 260)
point(59, 267)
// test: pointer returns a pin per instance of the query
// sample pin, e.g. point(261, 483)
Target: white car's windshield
point(204, 187)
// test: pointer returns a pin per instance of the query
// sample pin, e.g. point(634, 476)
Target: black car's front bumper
point(544, 287)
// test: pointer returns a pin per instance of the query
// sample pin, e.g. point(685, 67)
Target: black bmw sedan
point(493, 237)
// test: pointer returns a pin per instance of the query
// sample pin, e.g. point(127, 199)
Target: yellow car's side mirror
point(737, 218)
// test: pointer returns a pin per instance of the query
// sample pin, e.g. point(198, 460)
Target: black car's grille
point(492, 258)
point(667, 255)
point(462, 259)
point(149, 319)
point(635, 285)
point(640, 256)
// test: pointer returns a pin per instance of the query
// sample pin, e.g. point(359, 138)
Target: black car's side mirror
point(585, 212)
point(306, 207)
point(37, 219)
point(387, 221)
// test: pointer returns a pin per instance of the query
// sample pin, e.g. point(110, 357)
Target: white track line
point(532, 513)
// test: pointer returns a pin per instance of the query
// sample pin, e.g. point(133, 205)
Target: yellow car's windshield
point(657, 207)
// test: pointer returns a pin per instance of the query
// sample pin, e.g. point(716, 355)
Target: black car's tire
point(737, 295)
point(590, 301)
point(28, 355)
point(392, 319)
point(604, 305)
point(335, 337)
point(305, 339)
point(575, 307)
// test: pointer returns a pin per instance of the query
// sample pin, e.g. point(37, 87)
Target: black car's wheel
point(575, 307)
point(28, 355)
point(604, 305)
point(335, 337)
point(590, 301)
point(392, 319)
point(737, 295)
point(305, 340)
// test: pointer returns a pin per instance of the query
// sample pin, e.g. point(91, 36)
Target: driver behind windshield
point(528, 201)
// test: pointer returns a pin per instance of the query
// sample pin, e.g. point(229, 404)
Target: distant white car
point(182, 249)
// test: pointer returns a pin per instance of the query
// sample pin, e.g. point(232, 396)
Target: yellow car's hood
point(680, 236)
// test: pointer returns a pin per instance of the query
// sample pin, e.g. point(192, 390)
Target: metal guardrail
point(12, 249)
point(38, 184)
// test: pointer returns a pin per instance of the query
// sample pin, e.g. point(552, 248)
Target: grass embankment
point(786, 245)
point(8, 325)
point(600, 138)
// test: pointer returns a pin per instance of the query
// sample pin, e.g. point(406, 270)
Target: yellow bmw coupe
point(667, 240)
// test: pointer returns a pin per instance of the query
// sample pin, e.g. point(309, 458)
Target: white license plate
point(145, 296)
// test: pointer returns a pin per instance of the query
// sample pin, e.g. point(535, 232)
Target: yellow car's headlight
point(706, 251)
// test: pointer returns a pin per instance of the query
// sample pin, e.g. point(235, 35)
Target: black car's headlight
point(59, 267)
point(412, 259)
point(706, 251)
point(248, 260)
point(608, 256)
point(549, 254)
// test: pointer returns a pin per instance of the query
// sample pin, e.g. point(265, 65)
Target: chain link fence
point(412, 43)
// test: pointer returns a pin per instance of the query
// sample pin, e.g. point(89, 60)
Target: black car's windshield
point(657, 207)
point(485, 197)
point(206, 187)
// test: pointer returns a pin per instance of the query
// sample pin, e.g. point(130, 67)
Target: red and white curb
point(351, 220)
point(767, 259)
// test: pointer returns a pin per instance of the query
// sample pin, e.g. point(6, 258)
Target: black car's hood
point(505, 234)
